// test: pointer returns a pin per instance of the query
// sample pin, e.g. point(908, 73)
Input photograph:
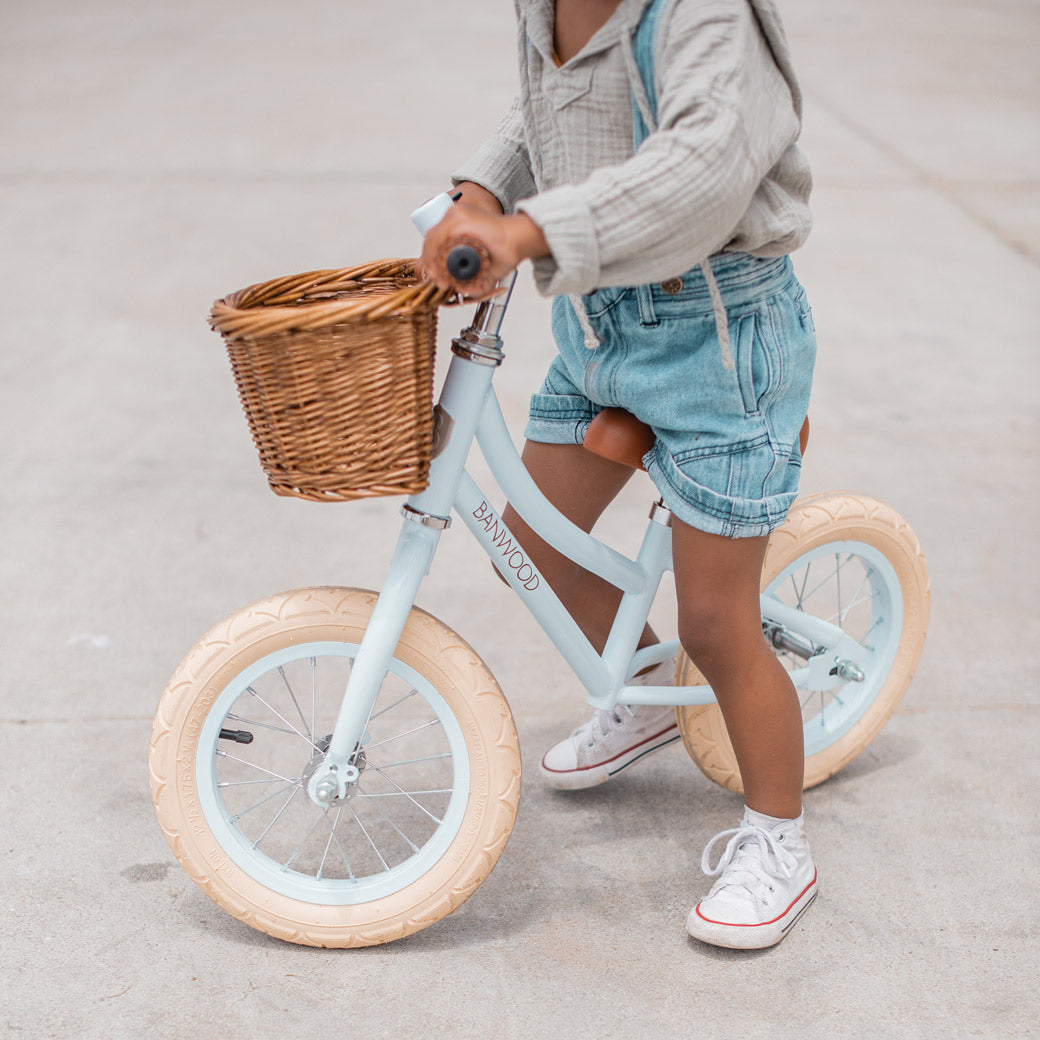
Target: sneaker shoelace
point(604, 721)
point(607, 720)
point(752, 860)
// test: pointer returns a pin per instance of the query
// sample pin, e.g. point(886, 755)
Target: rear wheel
point(247, 718)
point(854, 562)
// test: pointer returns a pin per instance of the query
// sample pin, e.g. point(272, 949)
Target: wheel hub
point(327, 790)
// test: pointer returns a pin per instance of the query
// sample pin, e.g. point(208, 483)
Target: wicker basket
point(335, 373)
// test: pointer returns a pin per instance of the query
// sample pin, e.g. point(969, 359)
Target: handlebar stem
point(490, 313)
point(481, 341)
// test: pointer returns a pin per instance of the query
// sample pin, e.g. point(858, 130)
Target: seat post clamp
point(438, 523)
point(661, 514)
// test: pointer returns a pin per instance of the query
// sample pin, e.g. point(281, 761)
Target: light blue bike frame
point(469, 410)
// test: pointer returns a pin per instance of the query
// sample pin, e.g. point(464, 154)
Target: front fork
point(410, 564)
point(477, 353)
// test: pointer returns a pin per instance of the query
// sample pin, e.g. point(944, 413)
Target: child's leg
point(720, 627)
point(766, 877)
point(581, 485)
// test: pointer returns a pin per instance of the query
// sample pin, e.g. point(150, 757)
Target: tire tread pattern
point(211, 663)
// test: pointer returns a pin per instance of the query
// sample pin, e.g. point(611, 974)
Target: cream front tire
point(854, 562)
point(244, 722)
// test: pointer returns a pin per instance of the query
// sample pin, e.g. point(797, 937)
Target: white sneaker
point(768, 881)
point(612, 740)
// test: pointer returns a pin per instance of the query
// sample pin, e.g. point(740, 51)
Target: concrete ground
point(155, 156)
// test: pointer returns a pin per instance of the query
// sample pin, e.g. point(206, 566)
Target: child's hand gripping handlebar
point(458, 257)
point(470, 249)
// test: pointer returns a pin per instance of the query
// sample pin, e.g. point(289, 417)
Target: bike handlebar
point(464, 263)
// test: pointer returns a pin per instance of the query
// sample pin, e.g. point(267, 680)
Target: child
point(648, 168)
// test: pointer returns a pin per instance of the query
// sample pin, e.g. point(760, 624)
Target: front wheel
point(855, 563)
point(247, 718)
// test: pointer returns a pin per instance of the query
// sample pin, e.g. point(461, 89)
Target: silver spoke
point(328, 844)
point(256, 805)
point(390, 707)
point(408, 761)
point(274, 711)
point(277, 817)
point(402, 792)
point(835, 571)
point(863, 639)
point(307, 838)
point(799, 593)
point(364, 831)
point(404, 837)
point(296, 703)
point(342, 851)
point(252, 765)
point(857, 599)
point(418, 805)
point(406, 733)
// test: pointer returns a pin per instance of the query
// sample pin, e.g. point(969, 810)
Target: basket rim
point(272, 307)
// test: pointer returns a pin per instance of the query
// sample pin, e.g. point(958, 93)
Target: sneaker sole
point(751, 936)
point(592, 776)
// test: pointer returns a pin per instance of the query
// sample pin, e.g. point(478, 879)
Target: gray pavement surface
point(155, 156)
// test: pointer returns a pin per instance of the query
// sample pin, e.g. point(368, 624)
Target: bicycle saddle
point(619, 436)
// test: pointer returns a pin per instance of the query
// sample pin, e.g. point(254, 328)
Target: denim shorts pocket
point(760, 356)
point(805, 316)
point(738, 470)
point(602, 300)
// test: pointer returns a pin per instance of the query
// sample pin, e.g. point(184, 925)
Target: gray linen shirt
point(720, 172)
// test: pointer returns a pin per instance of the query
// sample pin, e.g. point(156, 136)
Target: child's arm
point(490, 183)
point(721, 161)
point(501, 166)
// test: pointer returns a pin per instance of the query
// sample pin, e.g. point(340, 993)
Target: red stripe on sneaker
point(620, 754)
point(779, 917)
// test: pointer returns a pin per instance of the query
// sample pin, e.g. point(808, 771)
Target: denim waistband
point(741, 279)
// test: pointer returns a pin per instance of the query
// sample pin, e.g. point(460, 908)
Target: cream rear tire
point(855, 562)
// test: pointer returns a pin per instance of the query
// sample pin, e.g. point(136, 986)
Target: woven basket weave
point(335, 374)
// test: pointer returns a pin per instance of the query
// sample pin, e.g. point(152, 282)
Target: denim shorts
point(726, 458)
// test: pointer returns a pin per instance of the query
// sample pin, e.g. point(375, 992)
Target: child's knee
point(703, 635)
point(718, 629)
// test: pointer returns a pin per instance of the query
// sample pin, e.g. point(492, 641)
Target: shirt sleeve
point(502, 164)
point(725, 117)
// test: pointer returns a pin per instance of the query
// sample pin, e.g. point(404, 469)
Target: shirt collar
point(540, 14)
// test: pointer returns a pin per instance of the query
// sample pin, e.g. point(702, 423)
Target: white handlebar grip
point(430, 213)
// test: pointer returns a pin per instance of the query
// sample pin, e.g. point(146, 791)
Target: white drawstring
point(635, 79)
point(721, 321)
point(592, 341)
